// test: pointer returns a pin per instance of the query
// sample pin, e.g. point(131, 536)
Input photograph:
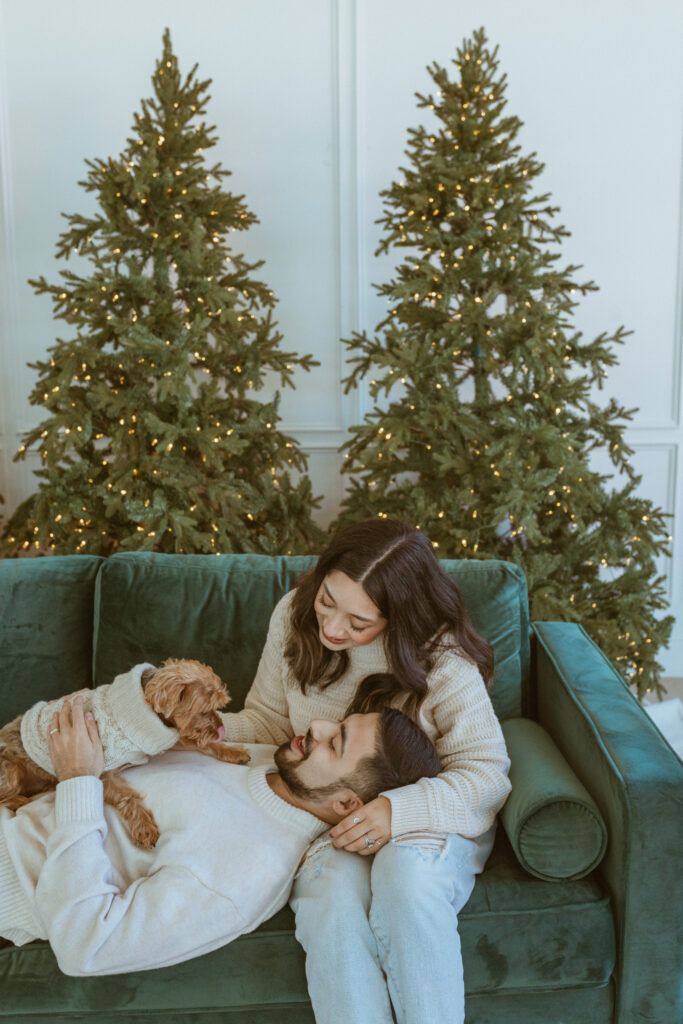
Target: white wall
point(312, 99)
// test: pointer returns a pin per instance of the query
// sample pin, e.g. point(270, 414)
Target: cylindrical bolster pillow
point(552, 822)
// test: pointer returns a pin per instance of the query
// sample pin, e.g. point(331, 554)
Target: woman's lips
point(332, 640)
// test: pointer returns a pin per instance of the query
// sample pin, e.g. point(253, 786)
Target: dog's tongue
point(221, 732)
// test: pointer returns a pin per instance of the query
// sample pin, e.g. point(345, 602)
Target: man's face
point(316, 765)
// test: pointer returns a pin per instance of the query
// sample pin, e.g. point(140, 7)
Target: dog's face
point(187, 695)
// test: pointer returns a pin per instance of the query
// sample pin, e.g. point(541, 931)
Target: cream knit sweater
point(224, 863)
point(131, 732)
point(456, 714)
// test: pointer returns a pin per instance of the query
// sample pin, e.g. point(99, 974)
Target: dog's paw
point(143, 829)
point(145, 836)
point(240, 755)
point(228, 754)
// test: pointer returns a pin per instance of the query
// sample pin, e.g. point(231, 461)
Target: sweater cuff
point(79, 799)
point(407, 813)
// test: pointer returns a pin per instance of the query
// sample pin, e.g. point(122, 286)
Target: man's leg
point(331, 899)
point(418, 887)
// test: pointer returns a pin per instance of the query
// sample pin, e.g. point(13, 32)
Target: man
point(231, 839)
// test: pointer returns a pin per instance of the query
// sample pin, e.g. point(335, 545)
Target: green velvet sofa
point(600, 945)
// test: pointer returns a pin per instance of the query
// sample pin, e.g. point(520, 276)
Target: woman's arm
point(466, 796)
point(473, 785)
point(265, 717)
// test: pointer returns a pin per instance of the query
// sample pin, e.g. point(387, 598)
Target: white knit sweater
point(131, 732)
point(225, 861)
point(456, 714)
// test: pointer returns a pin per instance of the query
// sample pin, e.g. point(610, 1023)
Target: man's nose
point(322, 729)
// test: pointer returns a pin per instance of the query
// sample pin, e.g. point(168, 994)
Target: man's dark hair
point(404, 754)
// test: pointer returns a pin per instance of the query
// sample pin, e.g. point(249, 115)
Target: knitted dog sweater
point(131, 732)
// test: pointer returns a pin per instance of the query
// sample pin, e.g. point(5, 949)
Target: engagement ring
point(369, 842)
point(357, 820)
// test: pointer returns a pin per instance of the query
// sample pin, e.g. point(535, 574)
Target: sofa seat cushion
point(518, 934)
point(216, 608)
point(46, 623)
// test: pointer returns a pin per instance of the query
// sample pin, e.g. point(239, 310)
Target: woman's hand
point(366, 830)
point(74, 742)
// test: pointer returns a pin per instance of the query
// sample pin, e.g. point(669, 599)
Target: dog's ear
point(164, 695)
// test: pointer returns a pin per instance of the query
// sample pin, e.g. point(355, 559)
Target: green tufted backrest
point(46, 626)
point(58, 612)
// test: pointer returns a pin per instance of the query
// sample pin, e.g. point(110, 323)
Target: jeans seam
point(384, 963)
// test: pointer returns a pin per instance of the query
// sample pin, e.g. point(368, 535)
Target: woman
point(378, 622)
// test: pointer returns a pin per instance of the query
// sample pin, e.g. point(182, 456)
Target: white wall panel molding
point(673, 420)
point(349, 198)
point(8, 305)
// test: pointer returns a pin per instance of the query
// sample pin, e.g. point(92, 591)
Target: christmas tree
point(486, 413)
point(152, 438)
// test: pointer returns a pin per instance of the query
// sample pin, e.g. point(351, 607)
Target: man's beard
point(289, 773)
point(288, 770)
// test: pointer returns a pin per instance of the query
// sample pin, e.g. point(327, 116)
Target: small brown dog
point(142, 713)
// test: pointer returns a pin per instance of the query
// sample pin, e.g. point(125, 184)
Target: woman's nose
point(334, 626)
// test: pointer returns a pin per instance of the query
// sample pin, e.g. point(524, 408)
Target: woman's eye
point(325, 603)
point(358, 629)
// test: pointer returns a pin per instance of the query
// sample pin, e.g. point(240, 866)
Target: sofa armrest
point(636, 780)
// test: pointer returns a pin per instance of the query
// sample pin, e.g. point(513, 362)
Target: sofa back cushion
point(216, 609)
point(46, 628)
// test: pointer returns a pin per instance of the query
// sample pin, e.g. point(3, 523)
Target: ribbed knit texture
point(15, 910)
point(79, 799)
point(130, 730)
point(456, 714)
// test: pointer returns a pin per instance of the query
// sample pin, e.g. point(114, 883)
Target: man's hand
point(365, 831)
point(74, 742)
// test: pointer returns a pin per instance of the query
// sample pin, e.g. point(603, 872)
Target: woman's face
point(346, 615)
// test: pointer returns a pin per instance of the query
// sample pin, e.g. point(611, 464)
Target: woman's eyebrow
point(353, 614)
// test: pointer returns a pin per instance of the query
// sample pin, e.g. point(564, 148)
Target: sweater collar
point(136, 719)
point(306, 825)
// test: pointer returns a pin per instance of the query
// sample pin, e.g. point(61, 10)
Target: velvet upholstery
point(553, 824)
point(534, 952)
point(515, 937)
point(221, 605)
point(637, 781)
point(46, 628)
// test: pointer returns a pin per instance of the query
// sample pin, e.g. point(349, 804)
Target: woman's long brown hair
point(423, 606)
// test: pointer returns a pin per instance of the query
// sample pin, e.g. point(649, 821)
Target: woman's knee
point(429, 871)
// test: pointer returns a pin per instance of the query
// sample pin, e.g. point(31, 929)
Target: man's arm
point(96, 926)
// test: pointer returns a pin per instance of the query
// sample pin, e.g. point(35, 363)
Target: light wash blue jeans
point(382, 931)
